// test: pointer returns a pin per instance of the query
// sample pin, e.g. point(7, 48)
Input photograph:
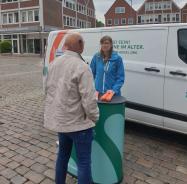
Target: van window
point(182, 44)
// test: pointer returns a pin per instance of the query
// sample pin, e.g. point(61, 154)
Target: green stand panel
point(108, 144)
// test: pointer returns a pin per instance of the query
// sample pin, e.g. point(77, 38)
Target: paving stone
point(3, 149)
point(181, 169)
point(42, 160)
point(18, 158)
point(22, 170)
point(47, 181)
point(44, 153)
point(145, 163)
point(18, 180)
point(4, 161)
point(28, 162)
point(13, 165)
point(4, 180)
point(22, 151)
point(154, 181)
point(8, 173)
point(34, 177)
point(39, 168)
point(50, 173)
point(10, 154)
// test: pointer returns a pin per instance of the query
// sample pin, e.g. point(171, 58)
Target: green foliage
point(5, 47)
point(99, 23)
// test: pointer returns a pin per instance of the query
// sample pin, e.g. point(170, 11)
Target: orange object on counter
point(103, 97)
point(107, 96)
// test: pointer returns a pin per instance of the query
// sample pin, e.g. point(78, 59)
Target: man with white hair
point(71, 108)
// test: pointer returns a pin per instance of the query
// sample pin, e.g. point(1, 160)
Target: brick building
point(158, 11)
point(184, 13)
point(79, 13)
point(26, 23)
point(120, 13)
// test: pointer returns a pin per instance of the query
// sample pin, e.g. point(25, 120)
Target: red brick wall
point(30, 24)
point(69, 12)
point(52, 10)
point(11, 26)
point(29, 3)
point(9, 6)
point(184, 14)
point(129, 12)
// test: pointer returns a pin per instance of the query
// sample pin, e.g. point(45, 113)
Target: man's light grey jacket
point(70, 103)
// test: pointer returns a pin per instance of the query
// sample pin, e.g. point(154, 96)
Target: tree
point(99, 23)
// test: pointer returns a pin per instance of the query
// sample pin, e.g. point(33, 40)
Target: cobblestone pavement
point(28, 151)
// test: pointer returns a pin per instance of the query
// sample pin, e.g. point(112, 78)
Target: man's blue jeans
point(83, 143)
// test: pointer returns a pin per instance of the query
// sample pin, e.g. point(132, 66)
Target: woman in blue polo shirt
point(108, 69)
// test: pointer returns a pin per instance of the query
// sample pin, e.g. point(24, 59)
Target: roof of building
point(125, 2)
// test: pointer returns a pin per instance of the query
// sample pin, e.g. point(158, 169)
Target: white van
point(155, 59)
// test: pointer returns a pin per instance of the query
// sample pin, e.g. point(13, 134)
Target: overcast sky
point(103, 5)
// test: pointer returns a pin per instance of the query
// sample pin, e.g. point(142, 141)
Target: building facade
point(27, 23)
point(158, 12)
point(120, 14)
point(78, 14)
point(184, 13)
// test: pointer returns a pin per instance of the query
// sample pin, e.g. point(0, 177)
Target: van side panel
point(144, 52)
point(175, 90)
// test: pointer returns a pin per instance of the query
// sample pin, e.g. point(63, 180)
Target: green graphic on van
point(126, 47)
point(186, 94)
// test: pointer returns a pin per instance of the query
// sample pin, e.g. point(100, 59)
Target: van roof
point(144, 26)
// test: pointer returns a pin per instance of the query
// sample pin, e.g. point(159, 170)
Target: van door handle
point(178, 73)
point(152, 69)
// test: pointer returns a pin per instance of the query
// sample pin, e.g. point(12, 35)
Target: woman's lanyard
point(106, 66)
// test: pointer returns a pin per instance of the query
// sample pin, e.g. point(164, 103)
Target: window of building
point(24, 16)
point(123, 21)
point(173, 18)
point(146, 6)
point(168, 17)
point(5, 18)
point(130, 20)
point(159, 18)
point(139, 19)
point(69, 21)
point(109, 22)
point(120, 10)
point(151, 18)
point(10, 18)
point(168, 5)
point(16, 17)
point(151, 6)
point(30, 16)
point(164, 5)
point(116, 22)
point(36, 15)
point(142, 19)
point(182, 45)
point(177, 18)
point(156, 6)
point(9, 1)
point(156, 19)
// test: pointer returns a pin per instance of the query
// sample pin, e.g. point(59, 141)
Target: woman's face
point(106, 46)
